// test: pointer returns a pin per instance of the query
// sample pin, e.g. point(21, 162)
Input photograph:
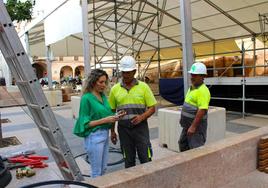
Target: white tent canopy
point(212, 20)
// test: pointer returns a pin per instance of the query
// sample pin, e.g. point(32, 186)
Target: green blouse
point(91, 109)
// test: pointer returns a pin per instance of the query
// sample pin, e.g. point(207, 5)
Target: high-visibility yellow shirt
point(199, 97)
point(140, 95)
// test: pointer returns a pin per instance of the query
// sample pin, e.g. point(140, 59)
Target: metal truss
point(129, 21)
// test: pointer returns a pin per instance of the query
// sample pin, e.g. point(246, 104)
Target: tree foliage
point(19, 10)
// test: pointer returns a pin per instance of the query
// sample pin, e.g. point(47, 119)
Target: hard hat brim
point(190, 72)
point(127, 69)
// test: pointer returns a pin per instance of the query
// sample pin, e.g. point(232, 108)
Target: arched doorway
point(66, 72)
point(40, 69)
point(79, 71)
point(79, 74)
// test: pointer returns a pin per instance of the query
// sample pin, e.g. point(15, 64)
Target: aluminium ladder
point(30, 88)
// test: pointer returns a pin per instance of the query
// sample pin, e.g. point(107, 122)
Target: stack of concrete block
point(75, 104)
point(170, 129)
point(263, 154)
point(54, 97)
point(67, 92)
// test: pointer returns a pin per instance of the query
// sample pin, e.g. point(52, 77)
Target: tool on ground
point(33, 161)
point(30, 88)
point(25, 171)
point(27, 152)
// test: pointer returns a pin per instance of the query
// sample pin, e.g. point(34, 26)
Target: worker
point(137, 100)
point(94, 121)
point(194, 111)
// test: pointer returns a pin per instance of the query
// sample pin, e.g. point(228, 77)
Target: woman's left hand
point(110, 119)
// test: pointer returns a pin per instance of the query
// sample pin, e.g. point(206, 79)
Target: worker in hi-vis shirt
point(137, 100)
point(194, 111)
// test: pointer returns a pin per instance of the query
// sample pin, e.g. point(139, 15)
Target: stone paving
point(22, 126)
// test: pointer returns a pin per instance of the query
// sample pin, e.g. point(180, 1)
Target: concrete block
point(170, 129)
point(75, 104)
point(67, 90)
point(54, 97)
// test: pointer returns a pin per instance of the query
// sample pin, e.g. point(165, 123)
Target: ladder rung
point(67, 170)
point(9, 57)
point(44, 128)
point(21, 82)
point(55, 149)
point(34, 106)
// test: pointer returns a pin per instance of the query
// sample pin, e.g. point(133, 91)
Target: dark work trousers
point(189, 142)
point(135, 139)
point(199, 137)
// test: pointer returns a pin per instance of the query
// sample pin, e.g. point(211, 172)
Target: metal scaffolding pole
point(214, 59)
point(116, 39)
point(132, 28)
point(102, 24)
point(186, 23)
point(49, 67)
point(86, 37)
point(243, 80)
point(94, 34)
point(254, 54)
point(158, 41)
point(26, 39)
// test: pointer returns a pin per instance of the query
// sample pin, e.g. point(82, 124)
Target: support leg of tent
point(49, 66)
point(244, 80)
point(214, 59)
point(158, 41)
point(186, 23)
point(254, 54)
point(94, 33)
point(86, 50)
point(116, 39)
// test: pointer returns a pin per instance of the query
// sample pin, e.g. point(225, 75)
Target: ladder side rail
point(56, 136)
point(14, 44)
point(45, 118)
point(48, 138)
point(34, 95)
point(27, 70)
point(8, 52)
point(12, 64)
point(7, 57)
point(60, 139)
point(63, 145)
point(11, 59)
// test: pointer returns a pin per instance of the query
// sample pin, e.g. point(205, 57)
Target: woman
point(95, 120)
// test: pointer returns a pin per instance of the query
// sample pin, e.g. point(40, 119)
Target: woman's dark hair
point(93, 78)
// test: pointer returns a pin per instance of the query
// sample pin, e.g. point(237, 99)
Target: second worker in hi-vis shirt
point(137, 100)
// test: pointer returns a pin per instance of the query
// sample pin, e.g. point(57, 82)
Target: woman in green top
point(94, 121)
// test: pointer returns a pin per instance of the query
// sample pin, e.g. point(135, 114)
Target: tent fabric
point(212, 20)
point(201, 50)
point(62, 24)
point(172, 90)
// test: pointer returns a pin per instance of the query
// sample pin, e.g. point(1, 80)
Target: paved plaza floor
point(21, 126)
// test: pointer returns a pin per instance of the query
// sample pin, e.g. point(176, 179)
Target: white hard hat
point(198, 68)
point(127, 63)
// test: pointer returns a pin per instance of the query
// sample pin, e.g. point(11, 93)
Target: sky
point(41, 6)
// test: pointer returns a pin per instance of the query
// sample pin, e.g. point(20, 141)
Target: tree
point(19, 10)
